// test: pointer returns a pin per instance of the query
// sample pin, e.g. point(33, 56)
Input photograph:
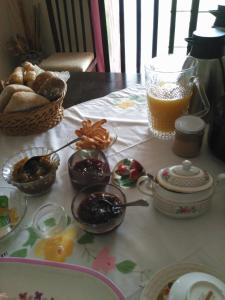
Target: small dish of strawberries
point(126, 173)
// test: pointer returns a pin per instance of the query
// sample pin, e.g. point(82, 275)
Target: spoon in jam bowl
point(107, 207)
point(32, 164)
point(140, 202)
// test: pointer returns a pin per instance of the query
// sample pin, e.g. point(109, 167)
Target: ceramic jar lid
point(184, 178)
point(189, 124)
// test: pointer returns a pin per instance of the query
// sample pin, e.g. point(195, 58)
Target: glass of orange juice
point(170, 86)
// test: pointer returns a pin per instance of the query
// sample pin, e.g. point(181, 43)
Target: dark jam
point(44, 167)
point(90, 166)
point(89, 171)
point(100, 208)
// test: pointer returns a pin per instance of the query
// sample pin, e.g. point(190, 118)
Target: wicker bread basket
point(35, 121)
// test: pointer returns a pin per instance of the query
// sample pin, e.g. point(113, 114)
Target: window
point(172, 21)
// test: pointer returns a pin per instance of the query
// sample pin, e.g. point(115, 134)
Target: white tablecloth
point(147, 240)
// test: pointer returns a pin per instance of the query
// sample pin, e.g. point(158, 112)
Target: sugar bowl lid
point(184, 178)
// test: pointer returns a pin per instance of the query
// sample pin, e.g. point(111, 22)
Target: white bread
point(16, 76)
point(28, 66)
point(8, 91)
point(25, 101)
point(48, 85)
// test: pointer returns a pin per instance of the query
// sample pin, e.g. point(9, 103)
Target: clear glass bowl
point(36, 187)
point(93, 212)
point(50, 219)
point(112, 133)
point(13, 205)
point(88, 167)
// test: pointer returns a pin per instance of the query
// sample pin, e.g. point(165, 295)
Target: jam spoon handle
point(139, 202)
point(64, 146)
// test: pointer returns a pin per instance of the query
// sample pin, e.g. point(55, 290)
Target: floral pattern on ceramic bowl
point(36, 296)
point(27, 296)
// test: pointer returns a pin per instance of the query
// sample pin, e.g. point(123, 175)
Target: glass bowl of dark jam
point(97, 208)
point(88, 167)
point(41, 180)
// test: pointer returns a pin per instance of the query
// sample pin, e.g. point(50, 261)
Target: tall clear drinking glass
point(171, 82)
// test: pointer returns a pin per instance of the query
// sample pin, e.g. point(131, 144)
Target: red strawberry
point(136, 165)
point(134, 174)
point(122, 170)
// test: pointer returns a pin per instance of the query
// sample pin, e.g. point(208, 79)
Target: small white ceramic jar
point(181, 191)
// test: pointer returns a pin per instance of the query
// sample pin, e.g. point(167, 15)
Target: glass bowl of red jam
point(88, 167)
point(97, 208)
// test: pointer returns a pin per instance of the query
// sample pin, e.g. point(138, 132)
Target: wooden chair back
point(70, 22)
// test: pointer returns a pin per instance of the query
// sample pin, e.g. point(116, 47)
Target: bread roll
point(8, 91)
point(29, 77)
point(25, 101)
point(53, 88)
point(16, 76)
point(49, 86)
point(27, 66)
point(40, 80)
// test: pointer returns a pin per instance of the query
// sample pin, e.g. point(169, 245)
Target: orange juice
point(167, 103)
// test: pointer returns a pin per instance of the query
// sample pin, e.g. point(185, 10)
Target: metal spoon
point(32, 164)
point(139, 202)
point(114, 208)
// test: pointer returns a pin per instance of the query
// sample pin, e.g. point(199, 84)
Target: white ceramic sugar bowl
point(180, 191)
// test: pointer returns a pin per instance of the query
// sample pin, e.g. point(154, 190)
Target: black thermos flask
point(209, 49)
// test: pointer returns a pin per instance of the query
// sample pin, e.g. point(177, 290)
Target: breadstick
point(93, 135)
point(98, 123)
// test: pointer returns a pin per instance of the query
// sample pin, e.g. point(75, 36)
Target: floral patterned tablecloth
point(147, 240)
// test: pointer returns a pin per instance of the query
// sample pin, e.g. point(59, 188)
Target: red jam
point(89, 171)
point(100, 208)
point(90, 166)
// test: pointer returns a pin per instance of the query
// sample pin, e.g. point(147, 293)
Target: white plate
point(168, 275)
point(57, 280)
point(195, 284)
point(203, 287)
